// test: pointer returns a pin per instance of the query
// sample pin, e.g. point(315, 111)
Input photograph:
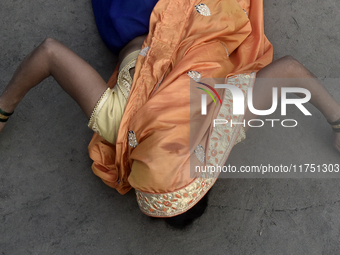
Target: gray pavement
point(51, 203)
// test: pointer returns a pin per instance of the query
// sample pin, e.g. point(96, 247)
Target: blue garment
point(120, 21)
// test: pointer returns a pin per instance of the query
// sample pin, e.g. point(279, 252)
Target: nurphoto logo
point(239, 104)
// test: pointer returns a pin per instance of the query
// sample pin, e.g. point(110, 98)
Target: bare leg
point(72, 73)
point(288, 67)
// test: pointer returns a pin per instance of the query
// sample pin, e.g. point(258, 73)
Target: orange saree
point(187, 40)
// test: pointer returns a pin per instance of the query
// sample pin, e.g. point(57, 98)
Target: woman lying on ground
point(142, 125)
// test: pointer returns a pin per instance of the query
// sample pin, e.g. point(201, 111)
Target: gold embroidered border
point(124, 80)
point(92, 123)
point(221, 142)
point(225, 135)
point(174, 203)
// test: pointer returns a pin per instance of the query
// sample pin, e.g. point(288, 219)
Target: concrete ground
point(51, 203)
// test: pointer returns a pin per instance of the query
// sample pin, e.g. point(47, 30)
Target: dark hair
point(185, 219)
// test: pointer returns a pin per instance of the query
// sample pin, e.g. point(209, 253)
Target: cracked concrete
point(51, 203)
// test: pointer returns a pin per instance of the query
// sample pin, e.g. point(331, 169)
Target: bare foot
point(336, 143)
